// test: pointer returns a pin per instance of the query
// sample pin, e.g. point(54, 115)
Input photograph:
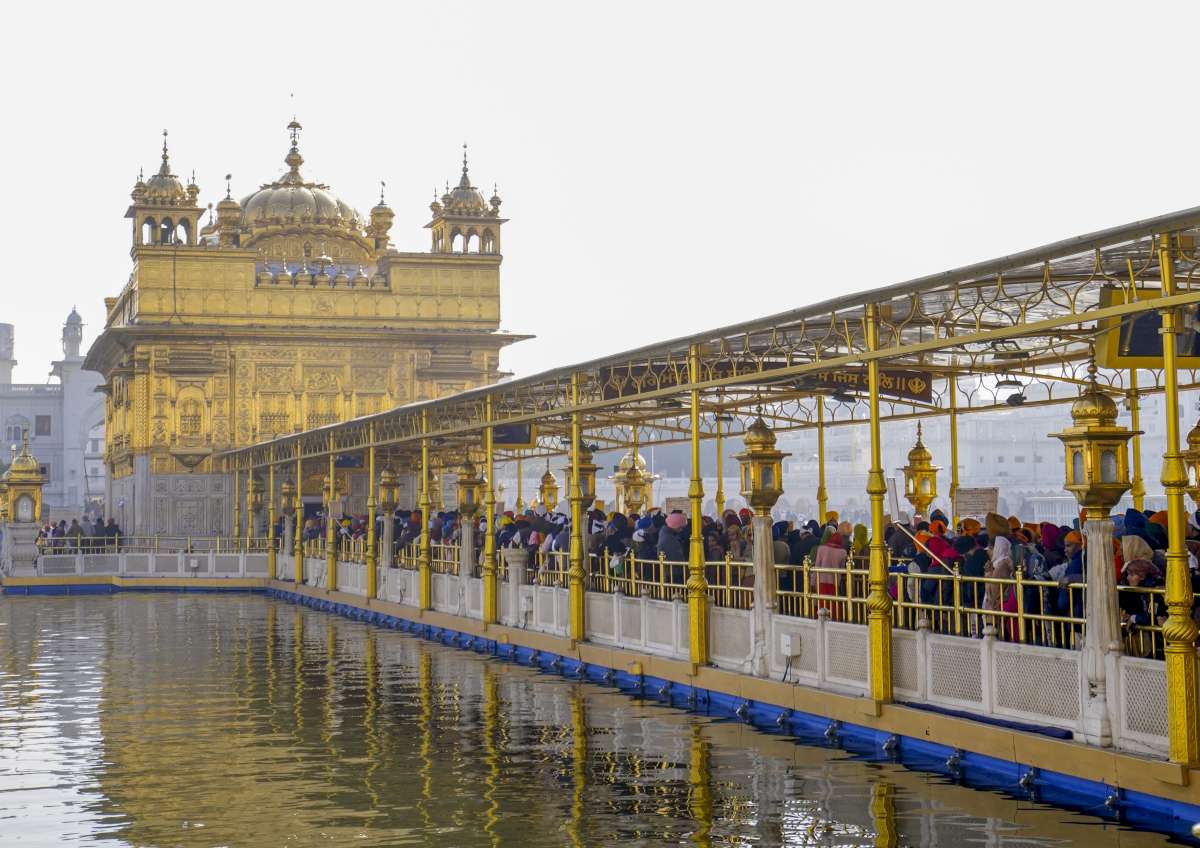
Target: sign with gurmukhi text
point(893, 382)
point(976, 503)
point(898, 383)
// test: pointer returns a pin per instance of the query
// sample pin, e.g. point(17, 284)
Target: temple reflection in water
point(192, 720)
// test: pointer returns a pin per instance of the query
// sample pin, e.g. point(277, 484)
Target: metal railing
point(549, 568)
point(444, 559)
point(1016, 608)
point(153, 544)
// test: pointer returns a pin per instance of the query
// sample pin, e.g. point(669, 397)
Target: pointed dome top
point(919, 455)
point(164, 188)
point(74, 318)
point(1094, 406)
point(292, 200)
point(464, 198)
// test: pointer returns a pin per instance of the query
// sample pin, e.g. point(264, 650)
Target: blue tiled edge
point(1136, 809)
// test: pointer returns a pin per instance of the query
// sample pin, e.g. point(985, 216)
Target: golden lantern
point(23, 483)
point(1191, 460)
point(920, 476)
point(587, 474)
point(634, 484)
point(548, 489)
point(389, 490)
point(287, 497)
point(762, 467)
point(256, 494)
point(1096, 455)
point(470, 489)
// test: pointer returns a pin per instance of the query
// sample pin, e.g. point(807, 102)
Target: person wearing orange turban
point(970, 527)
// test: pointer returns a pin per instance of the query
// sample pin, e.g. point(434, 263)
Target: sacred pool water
point(236, 720)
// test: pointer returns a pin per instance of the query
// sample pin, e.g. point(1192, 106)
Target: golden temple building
point(284, 311)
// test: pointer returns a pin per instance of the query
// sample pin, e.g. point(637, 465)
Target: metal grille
point(1145, 698)
point(954, 672)
point(905, 668)
point(847, 654)
point(1038, 683)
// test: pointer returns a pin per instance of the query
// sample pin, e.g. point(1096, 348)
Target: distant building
point(65, 420)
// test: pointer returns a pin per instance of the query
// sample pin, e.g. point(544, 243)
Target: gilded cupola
point(293, 217)
point(463, 222)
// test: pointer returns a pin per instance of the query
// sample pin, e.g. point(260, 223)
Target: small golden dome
point(25, 468)
point(464, 198)
point(164, 188)
point(759, 436)
point(919, 454)
point(1094, 407)
point(549, 477)
point(1193, 437)
point(627, 462)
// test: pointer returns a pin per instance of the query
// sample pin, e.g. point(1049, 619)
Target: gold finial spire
point(165, 168)
point(382, 186)
point(228, 187)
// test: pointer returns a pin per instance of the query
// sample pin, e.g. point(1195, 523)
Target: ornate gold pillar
point(298, 572)
point(372, 549)
point(719, 497)
point(425, 566)
point(697, 584)
point(1138, 489)
point(822, 492)
point(1179, 631)
point(520, 505)
point(879, 602)
point(249, 507)
point(331, 539)
point(576, 574)
point(952, 385)
point(237, 509)
point(272, 556)
point(490, 601)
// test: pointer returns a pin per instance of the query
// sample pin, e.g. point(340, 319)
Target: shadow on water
point(180, 720)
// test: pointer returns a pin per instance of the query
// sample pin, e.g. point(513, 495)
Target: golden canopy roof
point(25, 468)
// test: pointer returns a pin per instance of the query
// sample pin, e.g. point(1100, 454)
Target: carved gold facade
point(288, 310)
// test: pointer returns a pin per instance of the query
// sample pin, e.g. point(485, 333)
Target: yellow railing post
point(372, 549)
point(822, 492)
point(249, 510)
point(879, 602)
point(237, 509)
point(697, 584)
point(575, 576)
point(331, 537)
point(298, 571)
point(272, 560)
point(952, 387)
point(425, 565)
point(1137, 488)
point(1179, 631)
point(490, 598)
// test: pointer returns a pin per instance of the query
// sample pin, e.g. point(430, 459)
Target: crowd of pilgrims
point(1049, 555)
point(82, 534)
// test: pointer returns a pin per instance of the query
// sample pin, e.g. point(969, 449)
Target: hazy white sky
point(667, 167)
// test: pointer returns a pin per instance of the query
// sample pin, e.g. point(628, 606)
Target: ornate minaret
point(462, 222)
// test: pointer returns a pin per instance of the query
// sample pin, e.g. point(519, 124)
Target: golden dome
point(1193, 438)
point(25, 468)
point(759, 436)
point(1094, 407)
point(164, 188)
point(464, 199)
point(627, 462)
point(291, 200)
point(549, 477)
point(919, 454)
